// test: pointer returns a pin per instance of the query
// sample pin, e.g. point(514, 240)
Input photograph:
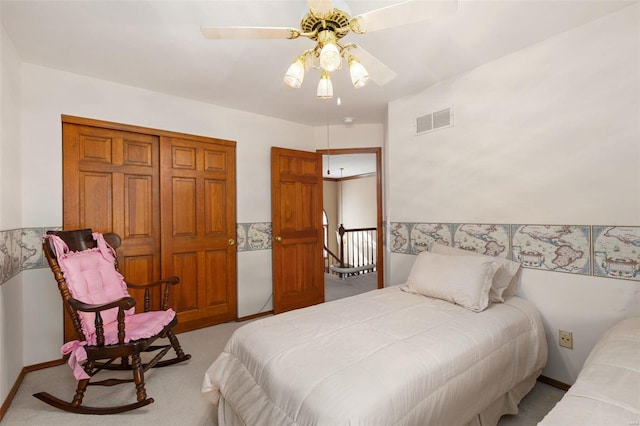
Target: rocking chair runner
point(102, 312)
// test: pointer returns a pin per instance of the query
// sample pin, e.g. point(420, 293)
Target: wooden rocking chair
point(110, 335)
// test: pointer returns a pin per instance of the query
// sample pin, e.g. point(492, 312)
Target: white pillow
point(463, 280)
point(505, 281)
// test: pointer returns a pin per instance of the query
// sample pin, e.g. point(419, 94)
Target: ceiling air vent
point(434, 121)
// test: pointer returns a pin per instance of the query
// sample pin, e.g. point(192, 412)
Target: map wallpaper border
point(21, 249)
point(597, 250)
point(601, 251)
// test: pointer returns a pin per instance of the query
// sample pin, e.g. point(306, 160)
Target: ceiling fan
point(326, 25)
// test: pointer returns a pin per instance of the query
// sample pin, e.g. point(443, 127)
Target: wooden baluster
point(341, 232)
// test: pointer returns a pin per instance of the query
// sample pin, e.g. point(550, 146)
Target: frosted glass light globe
point(295, 74)
point(330, 57)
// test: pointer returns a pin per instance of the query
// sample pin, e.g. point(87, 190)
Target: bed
point(390, 356)
point(607, 390)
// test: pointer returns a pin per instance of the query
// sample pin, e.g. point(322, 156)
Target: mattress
point(382, 357)
point(607, 390)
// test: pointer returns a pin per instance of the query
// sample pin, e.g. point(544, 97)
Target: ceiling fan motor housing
point(333, 21)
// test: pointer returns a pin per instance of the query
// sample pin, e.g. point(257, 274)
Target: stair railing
point(357, 251)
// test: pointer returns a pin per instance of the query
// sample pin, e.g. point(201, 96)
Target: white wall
point(547, 135)
point(10, 178)
point(330, 204)
point(349, 136)
point(359, 202)
point(11, 298)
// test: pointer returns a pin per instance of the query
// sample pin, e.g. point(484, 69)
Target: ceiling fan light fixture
point(295, 73)
point(327, 22)
point(359, 74)
point(325, 88)
point(330, 58)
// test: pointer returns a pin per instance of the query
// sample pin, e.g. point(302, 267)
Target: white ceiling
point(157, 45)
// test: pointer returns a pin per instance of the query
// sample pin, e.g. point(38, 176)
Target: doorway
point(353, 162)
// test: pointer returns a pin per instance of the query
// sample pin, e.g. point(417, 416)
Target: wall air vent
point(434, 121)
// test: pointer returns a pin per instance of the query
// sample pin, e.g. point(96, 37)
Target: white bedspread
point(607, 391)
point(380, 358)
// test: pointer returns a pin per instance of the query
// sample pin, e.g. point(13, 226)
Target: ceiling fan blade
point(248, 32)
point(406, 12)
point(379, 72)
point(320, 6)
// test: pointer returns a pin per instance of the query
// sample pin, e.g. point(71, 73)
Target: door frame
point(380, 243)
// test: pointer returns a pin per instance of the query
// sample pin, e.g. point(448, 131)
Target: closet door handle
point(232, 241)
point(278, 238)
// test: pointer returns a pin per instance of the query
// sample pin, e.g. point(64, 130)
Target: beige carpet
point(176, 389)
point(337, 288)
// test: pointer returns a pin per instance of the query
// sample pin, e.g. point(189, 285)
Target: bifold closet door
point(111, 184)
point(199, 228)
point(171, 198)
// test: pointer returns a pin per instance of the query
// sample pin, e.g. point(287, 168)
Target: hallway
point(337, 288)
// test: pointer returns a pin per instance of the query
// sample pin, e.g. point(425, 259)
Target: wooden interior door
point(296, 202)
point(111, 184)
point(199, 229)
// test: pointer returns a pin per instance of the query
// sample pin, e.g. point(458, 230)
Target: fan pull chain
point(328, 143)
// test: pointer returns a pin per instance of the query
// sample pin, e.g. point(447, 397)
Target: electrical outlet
point(566, 339)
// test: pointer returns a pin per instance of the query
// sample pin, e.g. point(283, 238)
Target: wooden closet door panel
point(217, 274)
point(199, 228)
point(111, 181)
point(184, 196)
point(111, 184)
point(138, 200)
point(215, 221)
point(139, 255)
point(184, 261)
point(185, 297)
point(95, 198)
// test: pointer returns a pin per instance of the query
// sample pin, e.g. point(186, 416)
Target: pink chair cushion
point(138, 326)
point(92, 278)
